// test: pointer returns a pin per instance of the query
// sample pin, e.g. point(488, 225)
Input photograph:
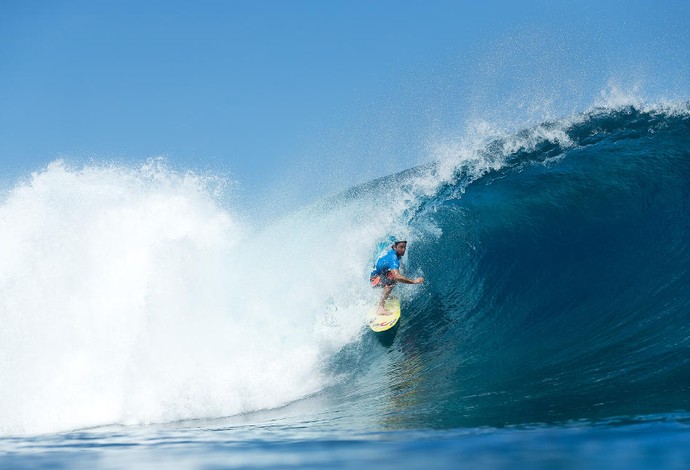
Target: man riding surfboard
point(386, 273)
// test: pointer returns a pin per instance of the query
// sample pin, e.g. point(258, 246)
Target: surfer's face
point(400, 249)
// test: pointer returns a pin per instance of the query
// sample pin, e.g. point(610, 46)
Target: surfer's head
point(400, 246)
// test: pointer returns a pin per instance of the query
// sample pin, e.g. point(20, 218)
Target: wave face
point(557, 262)
point(558, 282)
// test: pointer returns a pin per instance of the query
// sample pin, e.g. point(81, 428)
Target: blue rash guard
point(386, 263)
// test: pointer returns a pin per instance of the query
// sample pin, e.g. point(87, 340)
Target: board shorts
point(383, 280)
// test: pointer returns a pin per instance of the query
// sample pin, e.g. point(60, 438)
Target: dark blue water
point(553, 330)
point(560, 287)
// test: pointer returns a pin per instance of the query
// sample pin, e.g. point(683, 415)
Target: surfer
point(386, 273)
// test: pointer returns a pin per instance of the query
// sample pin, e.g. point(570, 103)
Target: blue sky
point(296, 99)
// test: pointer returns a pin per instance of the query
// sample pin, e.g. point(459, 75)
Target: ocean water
point(141, 326)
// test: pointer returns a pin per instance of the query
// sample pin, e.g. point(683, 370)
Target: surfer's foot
point(383, 311)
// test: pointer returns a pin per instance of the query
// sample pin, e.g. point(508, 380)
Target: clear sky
point(293, 98)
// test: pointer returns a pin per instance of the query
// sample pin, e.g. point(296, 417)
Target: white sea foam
point(132, 296)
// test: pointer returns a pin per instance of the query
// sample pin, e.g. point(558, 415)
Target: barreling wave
point(557, 264)
point(558, 279)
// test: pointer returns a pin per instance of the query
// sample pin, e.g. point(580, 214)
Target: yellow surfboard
point(385, 321)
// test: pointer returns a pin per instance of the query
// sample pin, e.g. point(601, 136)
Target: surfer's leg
point(386, 292)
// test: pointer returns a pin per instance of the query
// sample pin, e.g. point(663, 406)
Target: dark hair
point(399, 241)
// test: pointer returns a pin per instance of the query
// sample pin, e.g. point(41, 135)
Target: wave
point(558, 281)
point(556, 258)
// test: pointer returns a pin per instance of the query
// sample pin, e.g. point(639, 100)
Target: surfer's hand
point(419, 280)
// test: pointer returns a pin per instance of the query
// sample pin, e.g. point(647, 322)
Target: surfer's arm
point(400, 278)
